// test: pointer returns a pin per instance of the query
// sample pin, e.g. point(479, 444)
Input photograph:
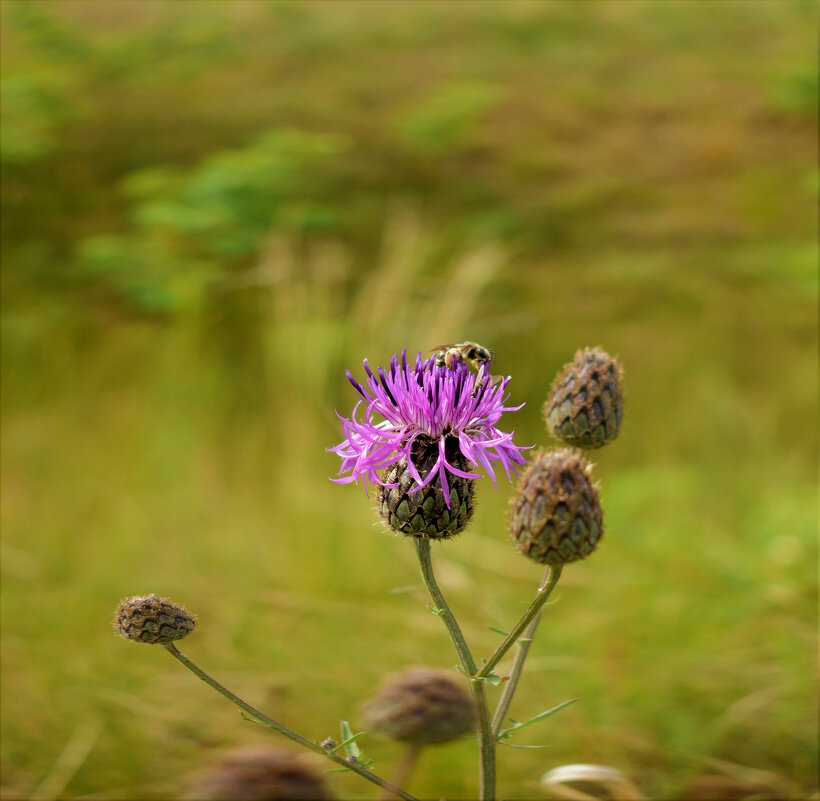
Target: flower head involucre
point(421, 403)
point(422, 706)
point(555, 514)
point(586, 404)
point(260, 773)
point(153, 620)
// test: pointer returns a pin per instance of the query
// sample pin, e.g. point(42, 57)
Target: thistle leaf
point(542, 716)
point(349, 740)
point(251, 718)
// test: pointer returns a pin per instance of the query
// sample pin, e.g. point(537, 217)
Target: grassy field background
point(211, 210)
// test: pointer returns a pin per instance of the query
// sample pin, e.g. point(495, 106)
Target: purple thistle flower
point(432, 405)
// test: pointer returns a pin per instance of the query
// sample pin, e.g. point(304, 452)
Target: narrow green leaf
point(347, 743)
point(498, 631)
point(349, 740)
point(515, 745)
point(251, 718)
point(537, 718)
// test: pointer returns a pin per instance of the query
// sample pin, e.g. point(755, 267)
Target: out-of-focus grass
point(538, 177)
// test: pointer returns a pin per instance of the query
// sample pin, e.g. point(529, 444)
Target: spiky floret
point(434, 404)
point(586, 402)
point(152, 620)
point(555, 513)
point(260, 773)
point(421, 706)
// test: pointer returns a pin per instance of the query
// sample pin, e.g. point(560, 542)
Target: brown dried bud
point(421, 706)
point(424, 513)
point(259, 773)
point(555, 514)
point(586, 402)
point(154, 620)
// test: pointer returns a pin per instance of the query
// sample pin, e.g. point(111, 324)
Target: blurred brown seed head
point(586, 402)
point(421, 706)
point(260, 773)
point(425, 513)
point(153, 620)
point(555, 513)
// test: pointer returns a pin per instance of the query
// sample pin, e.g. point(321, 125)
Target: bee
point(477, 356)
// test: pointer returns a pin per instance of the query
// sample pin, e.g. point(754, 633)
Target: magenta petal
point(420, 401)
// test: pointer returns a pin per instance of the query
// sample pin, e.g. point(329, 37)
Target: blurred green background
point(212, 209)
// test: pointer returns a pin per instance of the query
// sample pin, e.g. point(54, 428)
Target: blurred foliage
point(188, 229)
point(211, 210)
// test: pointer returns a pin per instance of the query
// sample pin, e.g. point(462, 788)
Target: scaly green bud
point(555, 514)
point(259, 773)
point(153, 620)
point(421, 706)
point(586, 403)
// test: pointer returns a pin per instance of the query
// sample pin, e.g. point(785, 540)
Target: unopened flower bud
point(260, 773)
point(153, 620)
point(421, 706)
point(555, 513)
point(586, 403)
point(425, 513)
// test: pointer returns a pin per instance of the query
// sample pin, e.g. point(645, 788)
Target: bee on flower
point(426, 426)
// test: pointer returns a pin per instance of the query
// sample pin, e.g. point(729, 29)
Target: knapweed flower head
point(422, 706)
point(438, 422)
point(260, 773)
point(153, 620)
point(586, 403)
point(555, 514)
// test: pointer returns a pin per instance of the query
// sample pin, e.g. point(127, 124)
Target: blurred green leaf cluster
point(189, 229)
point(185, 140)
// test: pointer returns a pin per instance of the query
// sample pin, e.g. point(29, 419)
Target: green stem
point(522, 647)
point(283, 730)
point(404, 768)
point(532, 612)
point(486, 742)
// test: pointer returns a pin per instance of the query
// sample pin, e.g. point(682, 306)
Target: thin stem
point(283, 730)
point(522, 647)
point(442, 608)
point(532, 611)
point(404, 768)
point(486, 742)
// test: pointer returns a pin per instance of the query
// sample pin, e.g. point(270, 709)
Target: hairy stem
point(283, 730)
point(534, 608)
point(522, 647)
point(486, 742)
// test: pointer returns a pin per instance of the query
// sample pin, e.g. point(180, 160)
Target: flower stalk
point(404, 768)
point(522, 649)
point(283, 730)
point(542, 596)
point(486, 741)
